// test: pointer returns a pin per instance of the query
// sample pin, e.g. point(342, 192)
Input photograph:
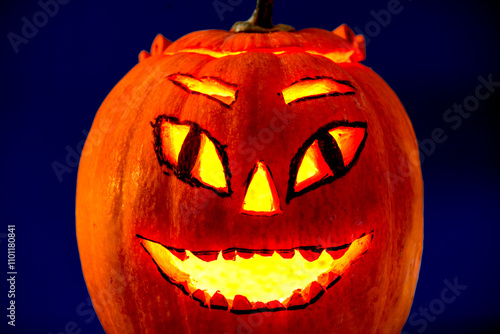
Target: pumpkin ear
point(144, 55)
point(357, 42)
point(159, 45)
point(345, 32)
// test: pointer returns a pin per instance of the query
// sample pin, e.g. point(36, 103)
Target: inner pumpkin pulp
point(246, 280)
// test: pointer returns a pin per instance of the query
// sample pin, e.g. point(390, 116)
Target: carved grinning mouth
point(248, 281)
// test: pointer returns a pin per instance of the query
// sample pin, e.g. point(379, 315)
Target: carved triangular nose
point(261, 196)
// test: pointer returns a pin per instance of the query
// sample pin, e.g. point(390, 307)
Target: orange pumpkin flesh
point(239, 95)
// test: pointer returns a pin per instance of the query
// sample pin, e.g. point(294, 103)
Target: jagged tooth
point(201, 297)
point(245, 253)
point(229, 255)
point(275, 305)
point(335, 279)
point(326, 278)
point(265, 252)
point(260, 306)
point(286, 253)
point(207, 256)
point(184, 286)
point(241, 304)
point(312, 292)
point(311, 254)
point(218, 302)
point(337, 253)
point(295, 301)
point(180, 254)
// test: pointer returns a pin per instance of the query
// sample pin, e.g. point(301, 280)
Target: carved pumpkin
point(243, 187)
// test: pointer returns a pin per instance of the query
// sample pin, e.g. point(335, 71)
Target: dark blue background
point(431, 54)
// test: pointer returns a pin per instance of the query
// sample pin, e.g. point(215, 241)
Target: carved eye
point(211, 87)
point(327, 155)
point(192, 154)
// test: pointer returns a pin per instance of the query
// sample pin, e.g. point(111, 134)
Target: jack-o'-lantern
point(244, 186)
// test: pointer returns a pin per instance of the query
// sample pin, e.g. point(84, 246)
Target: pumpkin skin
point(123, 192)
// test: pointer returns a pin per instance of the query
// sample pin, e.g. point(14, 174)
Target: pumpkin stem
point(261, 20)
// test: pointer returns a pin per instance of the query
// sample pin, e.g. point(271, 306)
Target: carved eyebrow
point(212, 87)
point(309, 88)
